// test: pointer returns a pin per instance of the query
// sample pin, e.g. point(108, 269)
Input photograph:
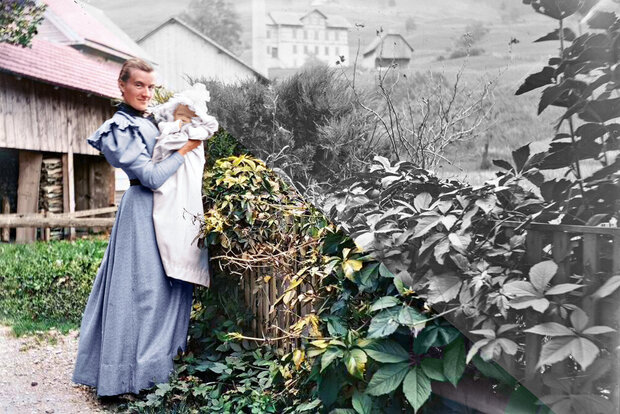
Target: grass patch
point(45, 286)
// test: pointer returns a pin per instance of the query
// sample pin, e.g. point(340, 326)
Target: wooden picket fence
point(597, 248)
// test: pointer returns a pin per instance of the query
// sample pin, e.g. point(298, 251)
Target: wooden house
point(182, 51)
point(54, 95)
point(386, 49)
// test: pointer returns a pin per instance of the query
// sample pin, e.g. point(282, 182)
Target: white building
point(294, 38)
point(387, 49)
point(182, 51)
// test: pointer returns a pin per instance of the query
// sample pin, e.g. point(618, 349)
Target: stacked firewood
point(50, 190)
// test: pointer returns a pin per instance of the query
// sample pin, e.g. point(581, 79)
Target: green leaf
point(433, 368)
point(417, 388)
point(410, 317)
point(434, 335)
point(329, 355)
point(579, 319)
point(385, 272)
point(384, 323)
point(386, 351)
point(342, 411)
point(362, 403)
point(384, 302)
point(454, 361)
point(387, 378)
point(355, 361)
point(335, 326)
point(309, 405)
point(562, 288)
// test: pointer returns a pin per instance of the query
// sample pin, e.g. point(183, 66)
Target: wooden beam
point(6, 209)
point(28, 191)
point(43, 221)
point(68, 189)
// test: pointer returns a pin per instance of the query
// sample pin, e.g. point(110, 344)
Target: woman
point(136, 318)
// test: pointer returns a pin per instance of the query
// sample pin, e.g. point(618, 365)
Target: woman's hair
point(133, 63)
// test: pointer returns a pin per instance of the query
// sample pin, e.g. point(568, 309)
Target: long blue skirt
point(136, 318)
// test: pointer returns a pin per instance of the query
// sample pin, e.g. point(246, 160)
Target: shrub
point(48, 282)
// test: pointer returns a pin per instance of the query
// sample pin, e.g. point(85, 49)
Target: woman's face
point(138, 89)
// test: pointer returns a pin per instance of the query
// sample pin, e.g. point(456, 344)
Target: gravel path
point(35, 376)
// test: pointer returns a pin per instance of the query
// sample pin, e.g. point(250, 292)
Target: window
point(326, 35)
point(316, 35)
point(316, 50)
point(268, 34)
point(305, 34)
point(268, 50)
point(326, 50)
point(294, 33)
point(274, 52)
point(337, 35)
point(306, 49)
point(295, 49)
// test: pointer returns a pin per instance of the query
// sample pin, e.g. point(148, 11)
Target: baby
point(179, 199)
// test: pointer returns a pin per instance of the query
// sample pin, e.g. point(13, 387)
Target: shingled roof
point(61, 65)
point(77, 48)
point(392, 46)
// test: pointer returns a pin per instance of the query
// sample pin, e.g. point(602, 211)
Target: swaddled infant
point(179, 199)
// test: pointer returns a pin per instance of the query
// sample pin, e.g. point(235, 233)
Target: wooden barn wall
point(9, 173)
point(94, 182)
point(181, 52)
point(35, 116)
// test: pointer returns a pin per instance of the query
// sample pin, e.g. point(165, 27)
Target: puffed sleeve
point(120, 142)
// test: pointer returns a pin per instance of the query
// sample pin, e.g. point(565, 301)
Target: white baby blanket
point(179, 199)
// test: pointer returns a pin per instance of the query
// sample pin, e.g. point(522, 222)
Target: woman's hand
point(190, 145)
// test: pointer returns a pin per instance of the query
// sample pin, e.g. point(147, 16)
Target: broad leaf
point(384, 323)
point(386, 351)
point(329, 356)
point(550, 329)
point(473, 351)
point(387, 378)
point(557, 349)
point(579, 319)
point(541, 273)
point(598, 330)
point(562, 288)
point(362, 403)
point(609, 287)
point(384, 303)
point(417, 388)
point(454, 361)
point(493, 370)
point(569, 35)
point(536, 80)
point(443, 288)
point(434, 335)
point(433, 368)
point(410, 317)
point(355, 361)
point(584, 351)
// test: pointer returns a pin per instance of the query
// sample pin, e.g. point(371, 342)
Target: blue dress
point(136, 318)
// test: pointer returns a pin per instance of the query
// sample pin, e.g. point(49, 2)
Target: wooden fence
point(597, 248)
point(46, 220)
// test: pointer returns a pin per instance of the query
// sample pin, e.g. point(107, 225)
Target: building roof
point(61, 65)
point(187, 26)
point(294, 19)
point(394, 46)
point(88, 27)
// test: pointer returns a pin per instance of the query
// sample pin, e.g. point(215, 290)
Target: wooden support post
point(28, 191)
point(68, 189)
point(6, 209)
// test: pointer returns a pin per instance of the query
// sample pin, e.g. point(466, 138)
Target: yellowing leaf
point(350, 267)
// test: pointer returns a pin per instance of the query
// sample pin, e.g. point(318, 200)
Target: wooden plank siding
point(36, 116)
point(180, 52)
